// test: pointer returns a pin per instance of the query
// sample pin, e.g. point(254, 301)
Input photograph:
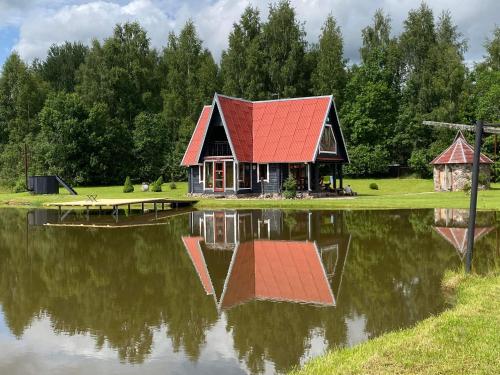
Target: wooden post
point(334, 177)
point(142, 208)
point(341, 185)
point(129, 209)
point(316, 185)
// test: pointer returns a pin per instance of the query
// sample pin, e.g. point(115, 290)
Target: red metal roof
point(457, 237)
point(272, 131)
point(196, 143)
point(277, 270)
point(460, 152)
point(193, 248)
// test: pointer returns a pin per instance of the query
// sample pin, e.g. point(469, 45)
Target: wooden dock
point(116, 204)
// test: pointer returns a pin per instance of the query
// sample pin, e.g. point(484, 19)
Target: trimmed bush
point(128, 187)
point(290, 188)
point(373, 186)
point(173, 186)
point(156, 186)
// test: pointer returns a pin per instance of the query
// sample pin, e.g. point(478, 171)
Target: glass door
point(219, 176)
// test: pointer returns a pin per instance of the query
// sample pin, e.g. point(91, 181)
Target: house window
point(244, 177)
point(263, 172)
point(200, 173)
point(229, 175)
point(209, 175)
point(328, 142)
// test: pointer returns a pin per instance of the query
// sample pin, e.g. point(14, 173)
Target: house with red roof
point(239, 146)
point(453, 167)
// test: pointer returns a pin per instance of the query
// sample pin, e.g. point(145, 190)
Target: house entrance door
point(219, 176)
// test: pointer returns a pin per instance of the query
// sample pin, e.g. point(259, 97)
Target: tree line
point(95, 114)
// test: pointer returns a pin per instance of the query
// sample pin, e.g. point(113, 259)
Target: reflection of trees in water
point(280, 332)
point(120, 285)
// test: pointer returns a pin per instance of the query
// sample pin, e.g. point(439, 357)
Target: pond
point(225, 292)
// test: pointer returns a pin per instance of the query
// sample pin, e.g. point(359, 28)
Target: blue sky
point(31, 26)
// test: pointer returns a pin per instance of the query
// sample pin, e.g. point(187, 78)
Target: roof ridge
point(298, 98)
point(233, 98)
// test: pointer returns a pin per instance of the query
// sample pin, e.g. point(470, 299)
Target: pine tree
point(329, 76)
point(284, 46)
point(242, 64)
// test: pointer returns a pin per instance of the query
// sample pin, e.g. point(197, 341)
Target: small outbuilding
point(453, 167)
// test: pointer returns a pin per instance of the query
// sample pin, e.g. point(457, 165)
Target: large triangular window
point(328, 142)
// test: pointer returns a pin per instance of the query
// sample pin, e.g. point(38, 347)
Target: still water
point(223, 292)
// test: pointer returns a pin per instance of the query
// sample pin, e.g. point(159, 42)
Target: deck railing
point(218, 149)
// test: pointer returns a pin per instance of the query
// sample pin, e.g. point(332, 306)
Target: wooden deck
point(115, 204)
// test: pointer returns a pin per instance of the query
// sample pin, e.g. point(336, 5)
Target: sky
point(31, 26)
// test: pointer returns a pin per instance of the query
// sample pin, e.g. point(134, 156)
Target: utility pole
point(473, 196)
point(26, 149)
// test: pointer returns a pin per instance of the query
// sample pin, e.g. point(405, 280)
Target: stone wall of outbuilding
point(458, 175)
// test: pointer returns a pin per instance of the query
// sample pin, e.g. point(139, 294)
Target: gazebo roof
point(460, 152)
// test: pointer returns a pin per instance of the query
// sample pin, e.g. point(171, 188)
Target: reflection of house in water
point(451, 224)
point(268, 255)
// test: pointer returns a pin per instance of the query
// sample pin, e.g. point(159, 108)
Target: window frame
point(201, 174)
point(328, 126)
point(250, 175)
point(267, 172)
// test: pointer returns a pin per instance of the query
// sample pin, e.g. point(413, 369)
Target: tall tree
point(22, 94)
point(329, 76)
point(83, 145)
point(284, 49)
point(372, 96)
point(62, 62)
point(192, 79)
point(150, 145)
point(121, 73)
point(242, 64)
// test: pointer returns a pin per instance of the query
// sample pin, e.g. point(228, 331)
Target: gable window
point(200, 173)
point(244, 177)
point(263, 172)
point(328, 143)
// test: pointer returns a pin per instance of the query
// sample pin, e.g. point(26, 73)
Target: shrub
point(173, 186)
point(419, 163)
point(467, 188)
point(156, 186)
point(290, 188)
point(367, 161)
point(20, 186)
point(128, 187)
point(483, 179)
point(373, 186)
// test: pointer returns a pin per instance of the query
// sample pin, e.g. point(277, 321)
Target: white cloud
point(51, 22)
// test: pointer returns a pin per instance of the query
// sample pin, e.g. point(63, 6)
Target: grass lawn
point(392, 193)
point(463, 340)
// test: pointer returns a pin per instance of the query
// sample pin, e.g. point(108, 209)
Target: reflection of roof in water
point(457, 237)
point(289, 271)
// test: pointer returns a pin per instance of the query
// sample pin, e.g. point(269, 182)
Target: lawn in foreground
point(462, 340)
point(392, 193)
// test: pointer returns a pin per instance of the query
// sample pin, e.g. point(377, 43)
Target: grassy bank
point(392, 193)
point(462, 340)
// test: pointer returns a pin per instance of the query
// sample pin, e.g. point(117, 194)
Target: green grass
point(392, 193)
point(463, 340)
